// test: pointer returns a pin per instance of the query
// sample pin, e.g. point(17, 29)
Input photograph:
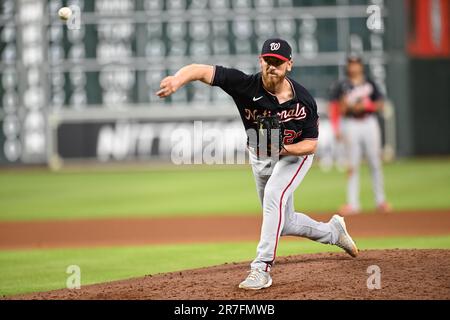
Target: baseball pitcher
point(272, 103)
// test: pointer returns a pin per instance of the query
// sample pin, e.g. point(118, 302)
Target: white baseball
point(64, 13)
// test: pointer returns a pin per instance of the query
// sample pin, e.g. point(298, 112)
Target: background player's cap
point(353, 57)
point(277, 48)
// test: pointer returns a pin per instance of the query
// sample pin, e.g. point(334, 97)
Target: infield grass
point(203, 190)
point(23, 271)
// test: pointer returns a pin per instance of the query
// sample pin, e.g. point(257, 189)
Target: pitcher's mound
point(405, 274)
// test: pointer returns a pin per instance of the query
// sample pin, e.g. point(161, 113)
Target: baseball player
point(271, 93)
point(357, 100)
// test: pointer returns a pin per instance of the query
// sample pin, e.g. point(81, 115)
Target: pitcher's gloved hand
point(270, 135)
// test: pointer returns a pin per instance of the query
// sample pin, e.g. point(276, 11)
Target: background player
point(271, 92)
point(357, 100)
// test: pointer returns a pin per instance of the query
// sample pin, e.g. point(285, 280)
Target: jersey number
point(290, 135)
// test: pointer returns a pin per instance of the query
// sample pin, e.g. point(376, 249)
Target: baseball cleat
point(344, 240)
point(257, 279)
point(384, 207)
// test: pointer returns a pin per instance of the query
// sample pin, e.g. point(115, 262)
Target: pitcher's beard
point(272, 80)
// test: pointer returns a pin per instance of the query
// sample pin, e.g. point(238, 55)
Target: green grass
point(202, 190)
point(24, 271)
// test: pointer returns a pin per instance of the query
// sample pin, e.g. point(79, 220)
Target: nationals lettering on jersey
point(298, 115)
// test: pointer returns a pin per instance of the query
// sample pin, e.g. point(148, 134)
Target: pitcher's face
point(273, 69)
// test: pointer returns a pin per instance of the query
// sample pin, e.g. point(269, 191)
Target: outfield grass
point(25, 271)
point(202, 190)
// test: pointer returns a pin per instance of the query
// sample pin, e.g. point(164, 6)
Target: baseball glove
point(270, 135)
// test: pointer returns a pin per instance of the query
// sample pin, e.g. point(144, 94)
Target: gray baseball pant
point(276, 182)
point(363, 135)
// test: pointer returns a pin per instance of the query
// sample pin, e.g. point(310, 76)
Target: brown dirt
point(405, 274)
point(110, 232)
